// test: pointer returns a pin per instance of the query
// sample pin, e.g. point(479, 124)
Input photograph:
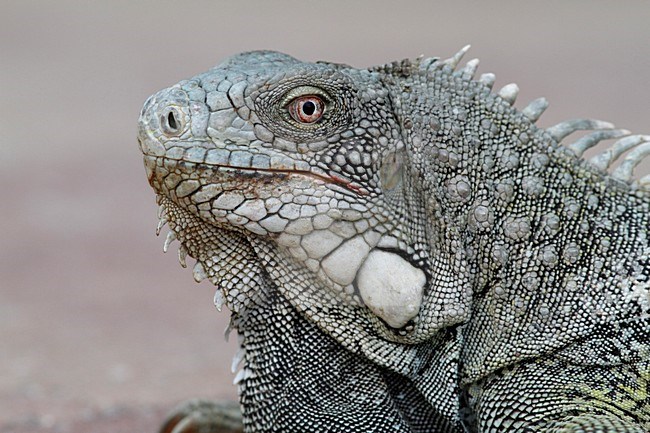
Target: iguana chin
point(402, 250)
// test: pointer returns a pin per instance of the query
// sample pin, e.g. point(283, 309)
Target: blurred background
point(99, 331)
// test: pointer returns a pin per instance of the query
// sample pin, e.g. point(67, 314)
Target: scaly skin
point(407, 252)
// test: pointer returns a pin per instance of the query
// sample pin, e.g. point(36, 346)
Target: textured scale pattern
point(409, 254)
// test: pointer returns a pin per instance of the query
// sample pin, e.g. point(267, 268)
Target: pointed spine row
point(637, 145)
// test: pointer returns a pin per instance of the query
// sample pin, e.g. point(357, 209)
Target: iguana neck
point(538, 227)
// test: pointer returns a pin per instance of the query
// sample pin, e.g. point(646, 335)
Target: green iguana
point(402, 250)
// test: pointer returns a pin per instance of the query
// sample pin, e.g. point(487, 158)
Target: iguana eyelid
point(297, 92)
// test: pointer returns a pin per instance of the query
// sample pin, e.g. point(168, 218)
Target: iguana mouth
point(347, 186)
point(322, 176)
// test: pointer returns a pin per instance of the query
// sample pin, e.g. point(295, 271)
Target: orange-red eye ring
point(307, 109)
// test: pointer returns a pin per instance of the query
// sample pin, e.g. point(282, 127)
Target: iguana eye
point(307, 109)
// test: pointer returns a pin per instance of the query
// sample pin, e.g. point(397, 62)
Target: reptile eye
point(307, 109)
point(171, 122)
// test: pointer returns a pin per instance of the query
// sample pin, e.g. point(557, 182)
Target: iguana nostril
point(171, 122)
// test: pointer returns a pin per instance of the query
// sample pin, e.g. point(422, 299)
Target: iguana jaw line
point(324, 177)
point(314, 173)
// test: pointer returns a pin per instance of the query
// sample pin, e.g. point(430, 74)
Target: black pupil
point(308, 108)
point(171, 121)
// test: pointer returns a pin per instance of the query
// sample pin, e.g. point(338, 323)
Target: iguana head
point(309, 163)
